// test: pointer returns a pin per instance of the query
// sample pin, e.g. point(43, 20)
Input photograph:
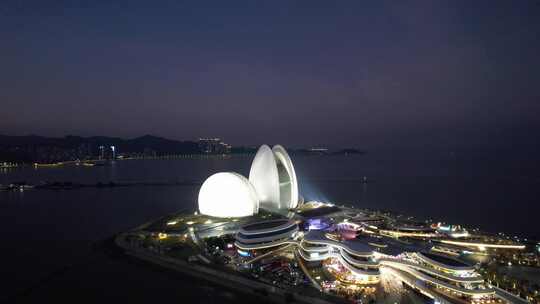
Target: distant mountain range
point(138, 144)
point(33, 148)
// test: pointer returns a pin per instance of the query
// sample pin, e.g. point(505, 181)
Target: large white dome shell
point(228, 194)
point(287, 178)
point(263, 175)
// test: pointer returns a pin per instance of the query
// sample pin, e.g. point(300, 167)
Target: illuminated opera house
point(271, 185)
point(350, 247)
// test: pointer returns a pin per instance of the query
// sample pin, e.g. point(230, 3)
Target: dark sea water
point(45, 231)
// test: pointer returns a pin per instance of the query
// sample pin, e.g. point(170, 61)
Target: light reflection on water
point(45, 228)
point(461, 192)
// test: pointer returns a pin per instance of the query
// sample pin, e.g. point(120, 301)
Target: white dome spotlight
point(228, 194)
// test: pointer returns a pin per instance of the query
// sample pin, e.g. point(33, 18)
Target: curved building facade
point(355, 257)
point(445, 264)
point(272, 185)
point(228, 194)
point(274, 178)
point(288, 185)
point(267, 234)
point(264, 177)
point(443, 274)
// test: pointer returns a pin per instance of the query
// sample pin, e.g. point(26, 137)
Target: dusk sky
point(340, 73)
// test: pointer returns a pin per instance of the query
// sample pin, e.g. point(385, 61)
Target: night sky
point(369, 74)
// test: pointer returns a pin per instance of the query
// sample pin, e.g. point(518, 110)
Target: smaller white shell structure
point(274, 179)
point(288, 185)
point(263, 175)
point(228, 194)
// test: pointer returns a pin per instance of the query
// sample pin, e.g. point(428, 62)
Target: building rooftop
point(355, 246)
point(265, 225)
point(321, 211)
point(445, 260)
point(358, 246)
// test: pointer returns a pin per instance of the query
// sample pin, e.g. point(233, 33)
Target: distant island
point(48, 150)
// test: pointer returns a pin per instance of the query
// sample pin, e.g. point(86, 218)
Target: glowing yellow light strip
point(401, 263)
point(445, 251)
point(410, 234)
point(378, 245)
point(479, 245)
point(264, 245)
point(443, 284)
